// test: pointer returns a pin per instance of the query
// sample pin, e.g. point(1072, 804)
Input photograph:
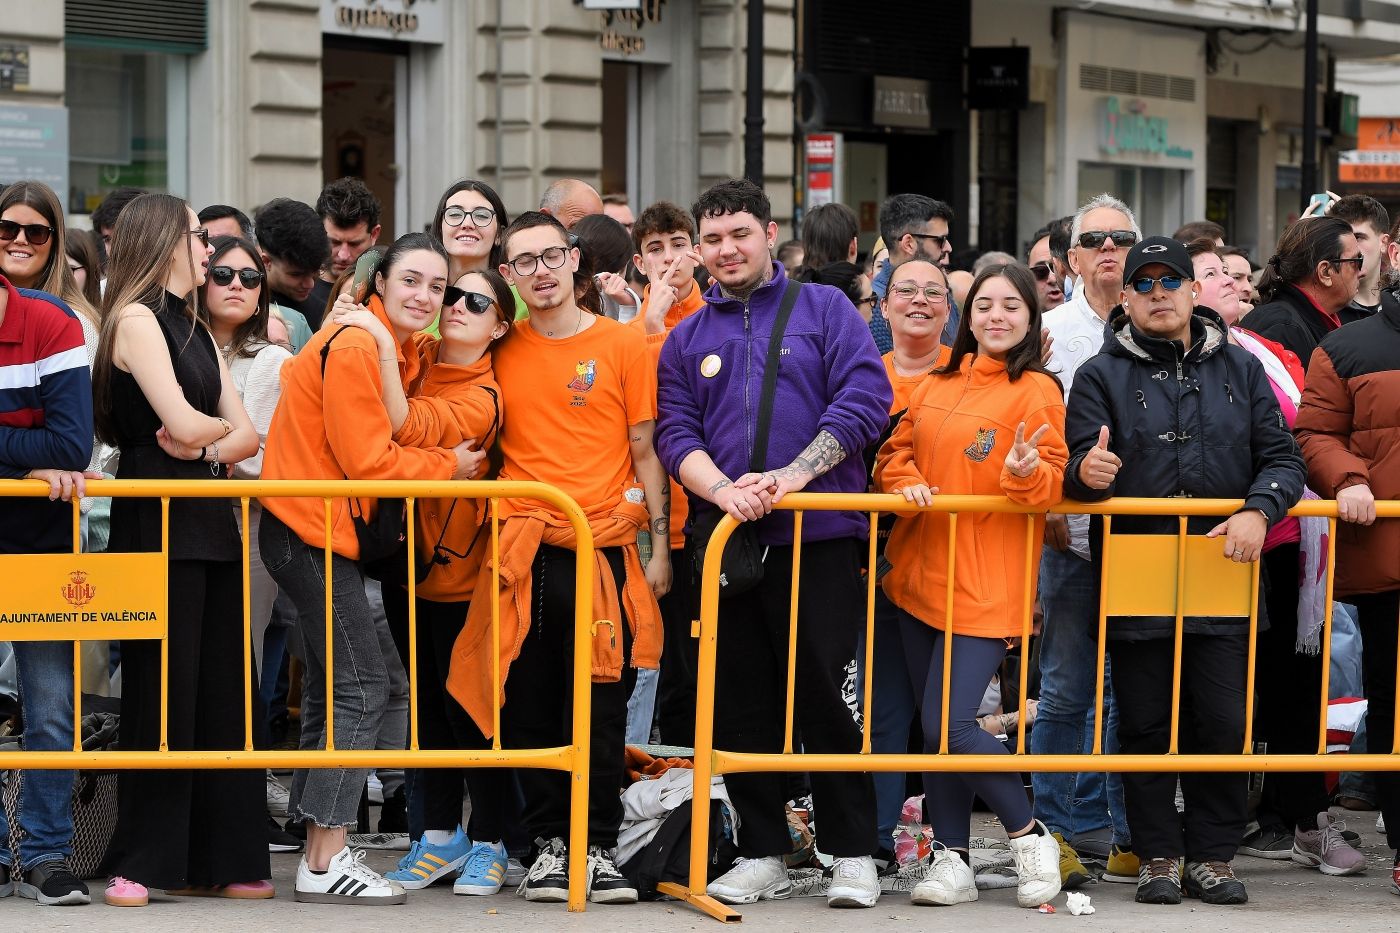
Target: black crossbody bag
point(741, 568)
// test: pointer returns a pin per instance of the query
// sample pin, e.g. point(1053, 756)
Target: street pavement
point(1282, 898)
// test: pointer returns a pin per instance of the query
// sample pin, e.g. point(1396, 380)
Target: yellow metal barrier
point(1163, 566)
point(45, 576)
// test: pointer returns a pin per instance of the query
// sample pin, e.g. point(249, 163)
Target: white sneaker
point(1380, 823)
point(346, 881)
point(751, 880)
point(278, 797)
point(855, 882)
point(376, 788)
point(949, 880)
point(1037, 867)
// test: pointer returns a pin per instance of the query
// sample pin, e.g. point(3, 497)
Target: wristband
point(202, 452)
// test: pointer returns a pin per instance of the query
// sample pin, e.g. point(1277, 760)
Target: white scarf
point(1273, 366)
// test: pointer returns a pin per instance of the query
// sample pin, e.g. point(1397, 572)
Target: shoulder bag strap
point(770, 376)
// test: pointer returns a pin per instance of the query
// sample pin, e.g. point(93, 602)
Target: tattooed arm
point(657, 487)
point(823, 454)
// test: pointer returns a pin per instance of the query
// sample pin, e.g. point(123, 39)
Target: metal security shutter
point(143, 25)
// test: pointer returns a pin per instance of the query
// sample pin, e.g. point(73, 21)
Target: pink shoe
point(239, 890)
point(122, 892)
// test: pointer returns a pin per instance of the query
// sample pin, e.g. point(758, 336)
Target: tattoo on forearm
point(720, 485)
point(661, 524)
point(819, 458)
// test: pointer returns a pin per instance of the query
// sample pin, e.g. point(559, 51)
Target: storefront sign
point(34, 144)
point(822, 155)
point(1127, 129)
point(14, 67)
point(902, 102)
point(999, 78)
point(58, 597)
point(643, 34)
point(404, 20)
point(1377, 160)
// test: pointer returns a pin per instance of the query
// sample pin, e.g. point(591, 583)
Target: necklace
point(917, 370)
point(578, 325)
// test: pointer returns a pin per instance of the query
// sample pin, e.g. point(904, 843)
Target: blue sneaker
point(485, 870)
point(426, 863)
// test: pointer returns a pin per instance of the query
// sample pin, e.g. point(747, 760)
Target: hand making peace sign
point(1024, 457)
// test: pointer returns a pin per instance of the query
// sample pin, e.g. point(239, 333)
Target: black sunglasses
point(36, 234)
point(1093, 239)
point(1358, 260)
point(223, 275)
point(1041, 271)
point(938, 238)
point(477, 303)
point(202, 233)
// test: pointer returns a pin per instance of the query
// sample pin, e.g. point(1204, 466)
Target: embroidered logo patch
point(710, 365)
point(584, 374)
point(978, 450)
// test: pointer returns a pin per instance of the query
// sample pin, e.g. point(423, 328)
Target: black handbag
point(741, 567)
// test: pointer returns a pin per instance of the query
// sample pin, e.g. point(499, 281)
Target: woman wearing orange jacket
point(990, 422)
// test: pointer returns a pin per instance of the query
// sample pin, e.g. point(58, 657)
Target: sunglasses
point(1093, 239)
point(1145, 284)
point(481, 216)
point(1041, 271)
point(1358, 260)
point(477, 303)
point(223, 275)
point(202, 233)
point(938, 238)
point(36, 234)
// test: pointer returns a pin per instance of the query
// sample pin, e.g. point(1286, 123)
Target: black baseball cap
point(1158, 249)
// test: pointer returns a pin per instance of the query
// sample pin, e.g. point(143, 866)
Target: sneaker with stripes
point(347, 880)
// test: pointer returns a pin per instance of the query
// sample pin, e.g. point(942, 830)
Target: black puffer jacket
point(1200, 424)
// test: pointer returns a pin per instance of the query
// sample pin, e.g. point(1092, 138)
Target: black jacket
point(1291, 319)
point(1203, 423)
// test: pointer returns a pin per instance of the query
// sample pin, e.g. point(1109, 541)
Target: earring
point(1193, 296)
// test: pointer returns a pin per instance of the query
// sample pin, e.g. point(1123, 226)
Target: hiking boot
point(1159, 882)
point(949, 880)
point(606, 885)
point(548, 879)
point(1073, 874)
point(855, 882)
point(1326, 850)
point(1123, 866)
point(1272, 842)
point(751, 880)
point(1213, 883)
point(1037, 857)
point(53, 884)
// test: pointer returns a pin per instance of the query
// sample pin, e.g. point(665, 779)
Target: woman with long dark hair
point(85, 264)
point(989, 422)
point(163, 396)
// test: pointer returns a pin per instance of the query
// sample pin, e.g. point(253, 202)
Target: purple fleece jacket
point(830, 378)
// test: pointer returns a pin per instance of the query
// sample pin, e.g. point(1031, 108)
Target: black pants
point(1378, 614)
point(1288, 686)
point(751, 695)
point(1211, 722)
point(675, 712)
point(538, 711)
point(179, 827)
point(444, 724)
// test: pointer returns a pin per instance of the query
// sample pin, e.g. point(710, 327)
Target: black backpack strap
point(770, 376)
point(326, 348)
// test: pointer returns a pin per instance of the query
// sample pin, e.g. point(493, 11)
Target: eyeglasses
point(1358, 260)
point(867, 300)
point(202, 233)
point(938, 238)
point(1042, 271)
point(223, 275)
point(1145, 285)
point(1093, 239)
point(481, 216)
point(907, 291)
point(36, 234)
point(477, 303)
point(526, 263)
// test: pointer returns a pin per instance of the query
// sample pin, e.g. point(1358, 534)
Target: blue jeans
point(1068, 803)
point(46, 799)
point(893, 708)
point(641, 707)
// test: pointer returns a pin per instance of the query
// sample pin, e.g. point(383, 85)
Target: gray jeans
point(330, 796)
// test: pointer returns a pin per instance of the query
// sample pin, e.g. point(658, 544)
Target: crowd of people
point(663, 369)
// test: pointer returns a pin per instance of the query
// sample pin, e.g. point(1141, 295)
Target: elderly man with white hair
point(569, 200)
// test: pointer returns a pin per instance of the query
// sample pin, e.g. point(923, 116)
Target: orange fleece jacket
point(679, 312)
point(336, 428)
point(955, 436)
point(450, 404)
point(522, 533)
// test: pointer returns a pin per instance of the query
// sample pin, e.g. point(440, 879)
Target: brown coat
point(1349, 428)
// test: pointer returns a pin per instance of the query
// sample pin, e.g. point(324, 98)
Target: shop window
point(127, 123)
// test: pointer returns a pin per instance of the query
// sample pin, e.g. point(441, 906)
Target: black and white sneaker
point(548, 879)
point(279, 840)
point(606, 885)
point(347, 880)
point(52, 884)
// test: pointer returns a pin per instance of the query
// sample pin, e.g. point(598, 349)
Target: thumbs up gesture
point(1024, 456)
point(1100, 465)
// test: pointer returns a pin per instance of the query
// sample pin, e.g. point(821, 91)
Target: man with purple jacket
point(832, 401)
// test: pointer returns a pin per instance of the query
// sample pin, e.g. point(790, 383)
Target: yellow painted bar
point(1105, 557)
point(752, 762)
point(77, 645)
point(330, 637)
point(1254, 571)
point(1326, 637)
point(789, 712)
point(247, 629)
point(948, 631)
point(554, 759)
point(412, 625)
point(165, 638)
point(869, 698)
point(584, 617)
point(495, 625)
point(1028, 611)
point(1180, 634)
